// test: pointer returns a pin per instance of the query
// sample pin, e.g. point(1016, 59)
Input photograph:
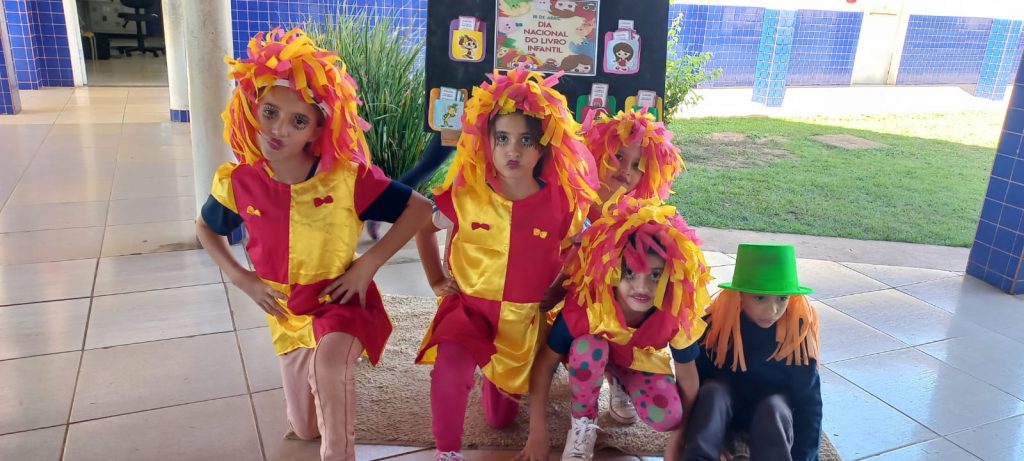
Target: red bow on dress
point(479, 225)
point(317, 201)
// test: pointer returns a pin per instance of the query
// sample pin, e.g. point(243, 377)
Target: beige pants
point(320, 392)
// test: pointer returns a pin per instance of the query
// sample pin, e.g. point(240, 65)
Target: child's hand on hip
point(446, 286)
point(264, 296)
point(355, 280)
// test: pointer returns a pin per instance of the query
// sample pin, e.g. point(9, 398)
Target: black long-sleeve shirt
point(799, 384)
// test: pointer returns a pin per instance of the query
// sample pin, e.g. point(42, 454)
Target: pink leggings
point(320, 394)
point(655, 396)
point(450, 383)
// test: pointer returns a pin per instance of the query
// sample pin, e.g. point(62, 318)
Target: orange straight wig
point(796, 332)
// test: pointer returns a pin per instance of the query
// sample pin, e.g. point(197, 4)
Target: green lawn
point(765, 174)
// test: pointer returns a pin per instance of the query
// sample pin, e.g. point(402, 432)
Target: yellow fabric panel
point(323, 238)
point(292, 333)
point(575, 227)
point(478, 257)
point(682, 340)
point(429, 355)
point(221, 189)
point(660, 360)
point(604, 321)
point(652, 360)
point(516, 343)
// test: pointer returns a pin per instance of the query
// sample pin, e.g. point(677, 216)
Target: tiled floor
point(137, 70)
point(121, 341)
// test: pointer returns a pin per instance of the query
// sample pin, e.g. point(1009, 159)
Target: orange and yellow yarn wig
point(627, 231)
point(796, 332)
point(660, 160)
point(567, 162)
point(293, 60)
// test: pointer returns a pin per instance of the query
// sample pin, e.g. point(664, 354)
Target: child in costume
point(759, 363)
point(634, 152)
point(302, 186)
point(516, 193)
point(638, 292)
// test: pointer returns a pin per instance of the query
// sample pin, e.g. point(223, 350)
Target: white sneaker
point(579, 444)
point(620, 406)
point(448, 456)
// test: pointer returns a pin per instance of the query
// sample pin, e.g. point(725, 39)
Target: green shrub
point(384, 59)
point(683, 73)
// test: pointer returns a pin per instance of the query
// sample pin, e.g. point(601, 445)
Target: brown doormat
point(394, 400)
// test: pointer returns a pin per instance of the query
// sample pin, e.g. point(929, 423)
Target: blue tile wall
point(998, 246)
point(1001, 58)
point(39, 43)
point(731, 34)
point(179, 115)
point(248, 17)
point(1018, 52)
point(19, 26)
point(773, 57)
point(824, 46)
point(823, 50)
point(943, 49)
point(55, 63)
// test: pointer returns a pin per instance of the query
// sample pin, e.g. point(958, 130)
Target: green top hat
point(766, 269)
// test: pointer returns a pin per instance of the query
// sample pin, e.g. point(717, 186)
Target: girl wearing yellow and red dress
point(516, 193)
point(637, 295)
point(633, 152)
point(303, 186)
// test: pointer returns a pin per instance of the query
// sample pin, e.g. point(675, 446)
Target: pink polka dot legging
point(655, 396)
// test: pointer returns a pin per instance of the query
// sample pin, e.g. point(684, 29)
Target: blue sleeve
point(805, 399)
point(220, 218)
point(686, 354)
point(559, 338)
point(389, 205)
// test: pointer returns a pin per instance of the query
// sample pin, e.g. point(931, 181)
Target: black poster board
point(650, 22)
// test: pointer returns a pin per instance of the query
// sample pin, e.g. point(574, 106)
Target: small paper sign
point(599, 94)
point(467, 23)
point(449, 94)
point(646, 98)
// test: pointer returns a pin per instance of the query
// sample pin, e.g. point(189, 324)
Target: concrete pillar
point(208, 38)
point(10, 102)
point(174, 46)
point(1000, 56)
point(773, 57)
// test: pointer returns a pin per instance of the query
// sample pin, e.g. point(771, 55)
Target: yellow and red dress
point(504, 255)
point(647, 348)
point(303, 236)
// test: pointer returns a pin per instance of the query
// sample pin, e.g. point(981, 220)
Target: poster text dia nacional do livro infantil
point(547, 35)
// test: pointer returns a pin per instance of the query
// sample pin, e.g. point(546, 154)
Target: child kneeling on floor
point(637, 295)
point(758, 363)
point(303, 186)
